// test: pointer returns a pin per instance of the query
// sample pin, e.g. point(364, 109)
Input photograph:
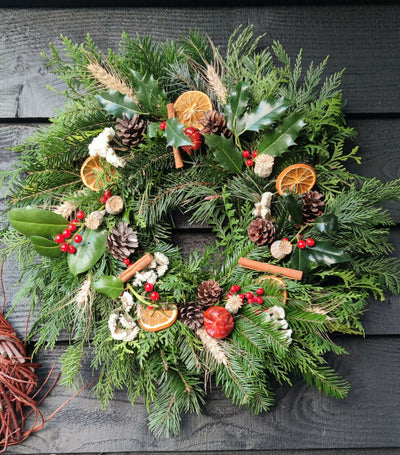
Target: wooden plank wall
point(364, 39)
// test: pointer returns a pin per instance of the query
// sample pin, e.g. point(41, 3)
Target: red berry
point(126, 261)
point(71, 249)
point(103, 199)
point(64, 247)
point(196, 136)
point(301, 244)
point(154, 296)
point(107, 194)
point(300, 235)
point(78, 238)
point(249, 162)
point(189, 130)
point(310, 242)
point(66, 233)
point(148, 287)
point(249, 295)
point(72, 227)
point(250, 301)
point(246, 154)
point(259, 300)
point(233, 288)
point(260, 291)
point(241, 296)
point(163, 125)
point(59, 238)
point(80, 215)
point(285, 238)
point(237, 288)
point(229, 295)
point(150, 307)
point(255, 153)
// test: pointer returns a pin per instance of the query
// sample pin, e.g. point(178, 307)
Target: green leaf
point(148, 93)
point(174, 132)
point(33, 221)
point(118, 105)
point(295, 206)
point(46, 247)
point(236, 104)
point(265, 115)
point(226, 152)
point(300, 260)
point(326, 223)
point(110, 286)
point(278, 141)
point(154, 130)
point(326, 254)
point(89, 251)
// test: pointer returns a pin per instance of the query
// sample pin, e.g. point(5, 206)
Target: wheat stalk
point(109, 79)
point(212, 346)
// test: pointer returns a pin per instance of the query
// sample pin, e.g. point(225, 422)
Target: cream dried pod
point(281, 248)
point(114, 205)
point(263, 165)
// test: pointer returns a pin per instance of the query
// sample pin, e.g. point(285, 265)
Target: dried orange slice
point(91, 170)
point(280, 284)
point(191, 107)
point(299, 178)
point(152, 320)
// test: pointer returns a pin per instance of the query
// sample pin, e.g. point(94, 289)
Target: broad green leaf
point(236, 104)
point(174, 132)
point(326, 254)
point(278, 141)
point(154, 130)
point(265, 115)
point(300, 260)
point(33, 221)
point(148, 93)
point(110, 286)
point(326, 223)
point(226, 152)
point(89, 251)
point(294, 205)
point(46, 247)
point(118, 105)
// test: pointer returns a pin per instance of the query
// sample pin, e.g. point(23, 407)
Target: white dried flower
point(288, 335)
point(162, 270)
point(100, 147)
point(127, 301)
point(66, 209)
point(263, 208)
point(234, 304)
point(160, 258)
point(127, 321)
point(156, 269)
point(275, 312)
point(128, 330)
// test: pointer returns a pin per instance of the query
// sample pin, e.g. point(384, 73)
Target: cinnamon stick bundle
point(270, 268)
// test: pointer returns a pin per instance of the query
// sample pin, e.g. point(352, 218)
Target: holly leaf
point(46, 247)
point(236, 104)
point(110, 286)
point(89, 251)
point(265, 115)
point(324, 253)
point(154, 130)
point(300, 260)
point(148, 93)
point(294, 206)
point(118, 105)
point(278, 141)
point(326, 223)
point(174, 132)
point(225, 152)
point(38, 222)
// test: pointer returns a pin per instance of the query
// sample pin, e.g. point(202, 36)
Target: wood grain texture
point(364, 39)
point(301, 419)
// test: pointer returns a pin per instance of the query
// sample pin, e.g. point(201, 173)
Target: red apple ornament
point(218, 322)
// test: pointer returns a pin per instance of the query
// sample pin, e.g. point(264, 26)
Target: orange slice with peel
point(190, 108)
point(153, 320)
point(299, 178)
point(279, 283)
point(91, 173)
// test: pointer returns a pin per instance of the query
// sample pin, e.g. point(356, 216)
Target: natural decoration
point(244, 141)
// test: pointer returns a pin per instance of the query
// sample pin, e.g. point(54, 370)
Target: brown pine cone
point(131, 131)
point(122, 241)
point(192, 315)
point(261, 232)
point(313, 204)
point(214, 123)
point(208, 293)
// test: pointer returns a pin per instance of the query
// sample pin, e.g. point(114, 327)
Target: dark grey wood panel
point(364, 39)
point(301, 419)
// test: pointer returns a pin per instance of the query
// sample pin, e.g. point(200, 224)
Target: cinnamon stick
point(140, 264)
point(177, 154)
point(274, 269)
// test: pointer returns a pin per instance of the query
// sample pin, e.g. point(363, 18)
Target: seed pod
point(114, 205)
point(281, 248)
point(264, 165)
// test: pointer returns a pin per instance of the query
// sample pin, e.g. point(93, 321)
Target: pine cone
point(131, 131)
point(312, 206)
point(191, 315)
point(214, 123)
point(122, 241)
point(208, 293)
point(261, 232)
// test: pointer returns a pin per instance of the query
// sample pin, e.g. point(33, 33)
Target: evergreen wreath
point(245, 142)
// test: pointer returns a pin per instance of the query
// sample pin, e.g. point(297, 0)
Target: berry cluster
point(249, 157)
point(62, 239)
point(249, 296)
point(154, 295)
point(304, 243)
point(107, 195)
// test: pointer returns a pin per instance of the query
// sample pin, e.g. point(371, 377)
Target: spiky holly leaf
point(225, 152)
point(325, 254)
point(326, 223)
point(265, 115)
point(278, 141)
point(110, 286)
point(118, 105)
point(236, 104)
point(294, 206)
point(174, 132)
point(154, 130)
point(300, 260)
point(148, 93)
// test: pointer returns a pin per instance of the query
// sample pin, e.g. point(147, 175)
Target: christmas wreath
point(240, 140)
